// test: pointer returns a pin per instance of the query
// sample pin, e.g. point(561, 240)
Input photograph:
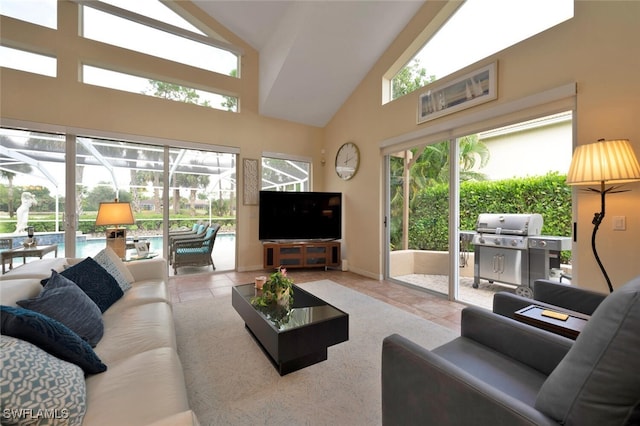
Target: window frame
point(162, 26)
point(307, 184)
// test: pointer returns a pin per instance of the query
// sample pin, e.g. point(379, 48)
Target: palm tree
point(194, 182)
point(421, 167)
point(9, 177)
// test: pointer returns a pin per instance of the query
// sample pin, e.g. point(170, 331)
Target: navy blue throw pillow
point(62, 300)
point(94, 280)
point(51, 336)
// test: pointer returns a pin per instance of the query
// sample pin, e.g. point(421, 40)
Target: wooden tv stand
point(304, 254)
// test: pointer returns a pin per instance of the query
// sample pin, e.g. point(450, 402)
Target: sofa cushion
point(14, 290)
point(138, 390)
point(36, 270)
point(598, 381)
point(141, 293)
point(138, 328)
point(109, 260)
point(50, 335)
point(62, 300)
point(94, 280)
point(32, 381)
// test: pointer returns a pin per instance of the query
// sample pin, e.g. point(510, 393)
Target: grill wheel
point(524, 291)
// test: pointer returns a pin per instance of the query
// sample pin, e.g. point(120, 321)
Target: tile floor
point(189, 286)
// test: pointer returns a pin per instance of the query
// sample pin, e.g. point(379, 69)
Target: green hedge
point(148, 222)
point(548, 195)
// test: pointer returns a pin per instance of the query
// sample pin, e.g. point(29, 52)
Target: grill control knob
point(514, 243)
point(481, 240)
point(542, 243)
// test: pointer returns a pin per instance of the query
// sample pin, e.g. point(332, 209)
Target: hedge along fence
point(43, 222)
point(548, 195)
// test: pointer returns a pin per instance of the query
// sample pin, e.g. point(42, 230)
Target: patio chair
point(194, 251)
point(200, 232)
point(185, 231)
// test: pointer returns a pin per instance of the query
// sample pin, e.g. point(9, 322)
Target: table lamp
point(600, 163)
point(115, 213)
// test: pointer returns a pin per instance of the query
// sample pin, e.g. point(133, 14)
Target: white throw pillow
point(110, 261)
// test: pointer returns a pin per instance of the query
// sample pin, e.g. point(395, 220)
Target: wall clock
point(347, 160)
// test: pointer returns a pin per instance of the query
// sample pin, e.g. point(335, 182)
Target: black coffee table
point(299, 340)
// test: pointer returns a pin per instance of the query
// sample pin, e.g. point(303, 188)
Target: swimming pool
point(223, 251)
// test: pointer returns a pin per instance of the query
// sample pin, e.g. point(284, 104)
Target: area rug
point(231, 382)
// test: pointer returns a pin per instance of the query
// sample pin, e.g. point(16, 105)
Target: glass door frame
point(454, 221)
point(555, 100)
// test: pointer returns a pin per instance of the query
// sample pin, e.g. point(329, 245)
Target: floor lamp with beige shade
point(604, 162)
point(115, 213)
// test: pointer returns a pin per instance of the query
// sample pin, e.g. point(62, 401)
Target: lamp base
point(117, 240)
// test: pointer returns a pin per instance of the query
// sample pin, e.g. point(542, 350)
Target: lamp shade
point(605, 161)
point(114, 213)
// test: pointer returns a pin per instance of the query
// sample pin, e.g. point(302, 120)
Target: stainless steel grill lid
point(509, 224)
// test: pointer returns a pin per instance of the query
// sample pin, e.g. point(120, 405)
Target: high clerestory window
point(465, 33)
point(160, 89)
point(39, 12)
point(153, 28)
point(148, 35)
point(28, 61)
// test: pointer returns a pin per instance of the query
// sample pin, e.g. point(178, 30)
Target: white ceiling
point(313, 54)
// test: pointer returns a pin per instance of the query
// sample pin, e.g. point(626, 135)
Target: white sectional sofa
point(143, 383)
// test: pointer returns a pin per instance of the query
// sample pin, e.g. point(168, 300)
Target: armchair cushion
point(422, 387)
point(598, 382)
point(521, 342)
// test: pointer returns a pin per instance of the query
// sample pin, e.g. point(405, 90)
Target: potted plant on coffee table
point(276, 297)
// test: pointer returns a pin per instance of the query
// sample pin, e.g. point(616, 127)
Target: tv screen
point(300, 216)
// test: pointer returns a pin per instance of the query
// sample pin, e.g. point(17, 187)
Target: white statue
point(22, 213)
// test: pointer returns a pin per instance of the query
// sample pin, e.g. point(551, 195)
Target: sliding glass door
point(419, 214)
point(433, 202)
point(202, 189)
point(197, 185)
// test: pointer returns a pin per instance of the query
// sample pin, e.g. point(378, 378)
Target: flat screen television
point(300, 216)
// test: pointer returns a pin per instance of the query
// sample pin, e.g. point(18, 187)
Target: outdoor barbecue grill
point(509, 249)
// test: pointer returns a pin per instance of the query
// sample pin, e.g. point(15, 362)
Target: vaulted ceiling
point(313, 54)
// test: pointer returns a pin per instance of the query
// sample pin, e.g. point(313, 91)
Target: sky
point(483, 27)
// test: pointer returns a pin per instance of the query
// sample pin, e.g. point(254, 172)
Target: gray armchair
point(502, 372)
point(551, 295)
